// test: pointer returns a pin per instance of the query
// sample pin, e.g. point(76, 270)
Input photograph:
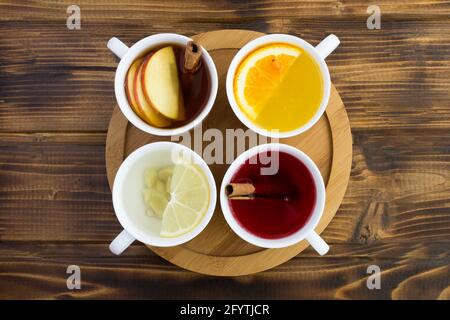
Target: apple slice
point(150, 115)
point(161, 84)
point(129, 86)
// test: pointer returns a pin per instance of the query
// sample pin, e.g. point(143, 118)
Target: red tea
point(278, 216)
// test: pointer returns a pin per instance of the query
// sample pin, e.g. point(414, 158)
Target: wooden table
point(56, 98)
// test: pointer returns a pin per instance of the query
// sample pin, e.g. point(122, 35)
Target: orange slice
point(260, 73)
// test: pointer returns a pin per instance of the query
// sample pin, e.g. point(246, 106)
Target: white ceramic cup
point(319, 53)
point(128, 55)
point(128, 200)
point(307, 231)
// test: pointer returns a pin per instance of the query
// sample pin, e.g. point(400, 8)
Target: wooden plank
point(398, 188)
point(196, 10)
point(407, 272)
point(54, 187)
point(57, 190)
point(89, 138)
point(396, 77)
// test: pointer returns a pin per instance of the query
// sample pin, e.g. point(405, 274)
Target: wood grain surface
point(56, 98)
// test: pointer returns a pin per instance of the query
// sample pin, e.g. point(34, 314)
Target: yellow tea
point(279, 87)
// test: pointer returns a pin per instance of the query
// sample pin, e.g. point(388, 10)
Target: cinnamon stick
point(192, 57)
point(246, 191)
point(239, 189)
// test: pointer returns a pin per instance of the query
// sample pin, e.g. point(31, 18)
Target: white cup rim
point(123, 216)
point(135, 51)
point(277, 38)
point(299, 235)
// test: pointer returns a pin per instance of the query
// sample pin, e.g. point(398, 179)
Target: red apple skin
point(129, 87)
point(147, 95)
point(150, 115)
point(144, 66)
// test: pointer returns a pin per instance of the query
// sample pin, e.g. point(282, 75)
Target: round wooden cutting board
point(217, 250)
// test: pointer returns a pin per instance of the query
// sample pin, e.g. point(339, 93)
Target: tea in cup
point(275, 208)
point(165, 84)
point(164, 194)
point(279, 85)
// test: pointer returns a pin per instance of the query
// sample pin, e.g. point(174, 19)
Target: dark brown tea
point(169, 85)
point(195, 86)
point(282, 203)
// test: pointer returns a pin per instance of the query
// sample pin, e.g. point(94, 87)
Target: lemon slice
point(260, 73)
point(189, 200)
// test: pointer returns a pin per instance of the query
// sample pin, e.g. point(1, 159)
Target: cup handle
point(121, 242)
point(327, 46)
point(117, 47)
point(317, 243)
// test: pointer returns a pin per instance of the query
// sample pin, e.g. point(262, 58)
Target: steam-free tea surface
point(217, 250)
point(278, 87)
point(288, 201)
